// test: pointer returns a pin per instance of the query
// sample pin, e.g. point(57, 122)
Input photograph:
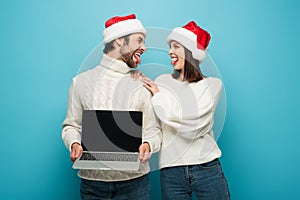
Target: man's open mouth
point(136, 56)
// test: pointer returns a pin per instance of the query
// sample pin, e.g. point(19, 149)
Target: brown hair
point(192, 72)
point(110, 46)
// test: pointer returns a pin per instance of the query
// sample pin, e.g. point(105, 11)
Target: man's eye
point(140, 40)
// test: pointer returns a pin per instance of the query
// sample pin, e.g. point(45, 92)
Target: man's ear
point(119, 41)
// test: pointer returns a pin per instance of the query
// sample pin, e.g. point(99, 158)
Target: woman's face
point(177, 55)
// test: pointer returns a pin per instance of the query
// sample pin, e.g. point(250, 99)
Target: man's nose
point(143, 47)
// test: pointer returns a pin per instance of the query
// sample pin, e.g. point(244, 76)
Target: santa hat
point(117, 27)
point(192, 37)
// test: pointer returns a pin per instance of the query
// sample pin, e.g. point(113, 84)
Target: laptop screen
point(111, 131)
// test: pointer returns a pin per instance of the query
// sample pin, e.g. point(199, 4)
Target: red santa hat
point(192, 37)
point(117, 27)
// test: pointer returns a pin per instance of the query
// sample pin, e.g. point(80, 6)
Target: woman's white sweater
point(186, 111)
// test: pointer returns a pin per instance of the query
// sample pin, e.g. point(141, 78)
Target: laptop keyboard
point(109, 156)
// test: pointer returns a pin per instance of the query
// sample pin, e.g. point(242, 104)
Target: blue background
point(254, 44)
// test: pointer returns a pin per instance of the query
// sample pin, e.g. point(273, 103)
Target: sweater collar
point(114, 64)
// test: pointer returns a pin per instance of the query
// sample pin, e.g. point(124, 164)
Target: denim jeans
point(136, 189)
point(207, 181)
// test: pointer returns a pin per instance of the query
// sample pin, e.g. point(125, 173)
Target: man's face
point(132, 49)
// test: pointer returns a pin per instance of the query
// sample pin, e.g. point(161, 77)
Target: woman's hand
point(150, 85)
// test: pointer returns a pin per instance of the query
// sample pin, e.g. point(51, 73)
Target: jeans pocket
point(210, 165)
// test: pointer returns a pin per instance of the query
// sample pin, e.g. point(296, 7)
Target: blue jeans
point(136, 189)
point(207, 181)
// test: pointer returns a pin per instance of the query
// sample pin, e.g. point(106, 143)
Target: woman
point(185, 103)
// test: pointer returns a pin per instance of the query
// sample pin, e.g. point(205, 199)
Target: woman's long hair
point(192, 72)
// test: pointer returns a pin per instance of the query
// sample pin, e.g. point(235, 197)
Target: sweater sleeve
point(151, 126)
point(167, 111)
point(189, 112)
point(71, 127)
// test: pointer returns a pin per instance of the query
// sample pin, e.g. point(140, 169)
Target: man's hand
point(76, 151)
point(144, 152)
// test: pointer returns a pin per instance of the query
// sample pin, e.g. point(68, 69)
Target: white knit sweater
point(110, 87)
point(186, 111)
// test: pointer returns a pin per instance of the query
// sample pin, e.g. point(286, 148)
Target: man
point(110, 87)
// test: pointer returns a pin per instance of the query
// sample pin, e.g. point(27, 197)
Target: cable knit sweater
point(186, 111)
point(110, 87)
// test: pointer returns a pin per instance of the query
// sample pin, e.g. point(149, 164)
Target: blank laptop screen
point(111, 131)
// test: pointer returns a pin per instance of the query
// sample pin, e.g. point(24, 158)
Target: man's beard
point(127, 58)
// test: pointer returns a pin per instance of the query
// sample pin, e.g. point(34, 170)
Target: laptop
point(110, 140)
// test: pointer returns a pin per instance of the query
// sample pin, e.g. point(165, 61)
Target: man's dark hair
point(110, 46)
